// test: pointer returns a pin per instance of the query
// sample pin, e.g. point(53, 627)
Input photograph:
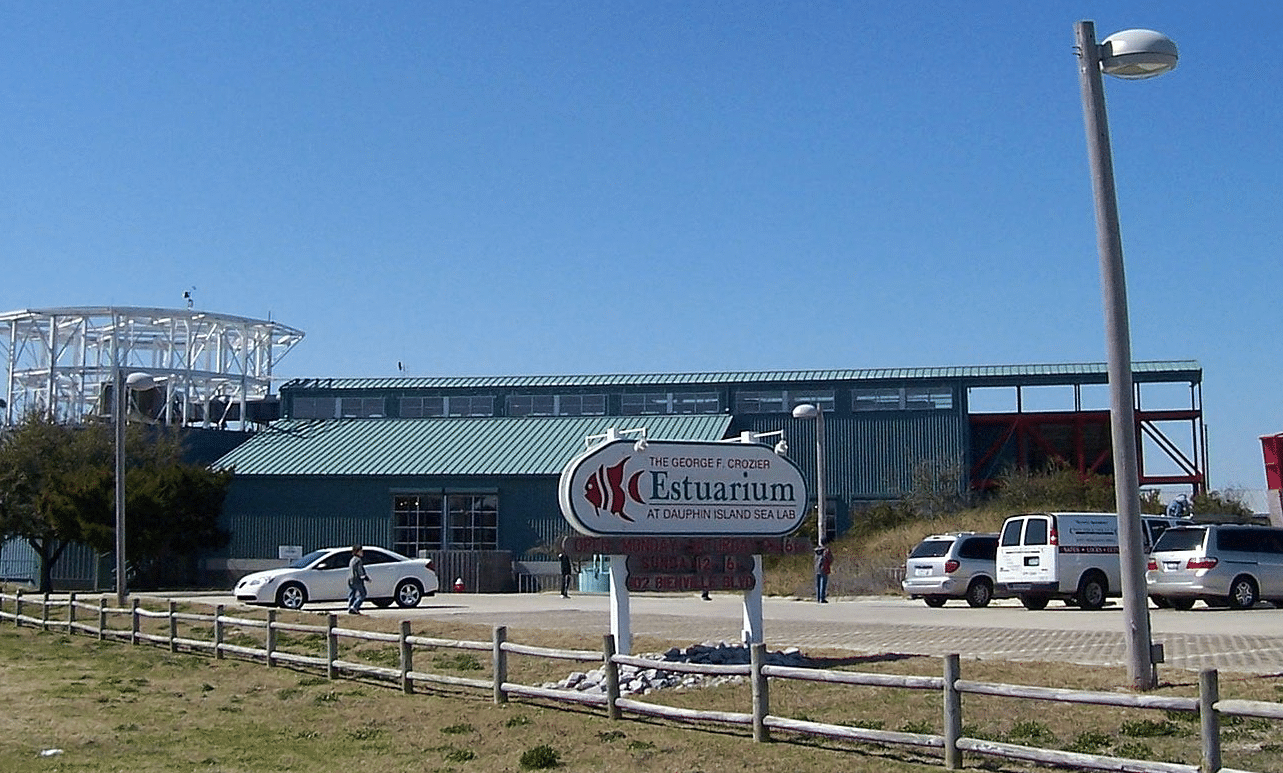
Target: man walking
point(356, 580)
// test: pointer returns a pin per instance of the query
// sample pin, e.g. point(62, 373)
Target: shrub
point(540, 757)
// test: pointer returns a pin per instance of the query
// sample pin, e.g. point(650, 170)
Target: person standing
point(823, 565)
point(356, 580)
point(564, 557)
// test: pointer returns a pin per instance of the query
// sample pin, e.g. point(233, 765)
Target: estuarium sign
point(675, 487)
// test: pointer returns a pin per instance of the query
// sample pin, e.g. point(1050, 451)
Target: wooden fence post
point(173, 626)
point(270, 644)
point(611, 669)
point(500, 663)
point(407, 659)
point(134, 622)
point(761, 692)
point(71, 614)
point(218, 632)
point(102, 618)
point(952, 713)
point(1209, 692)
point(17, 609)
point(331, 646)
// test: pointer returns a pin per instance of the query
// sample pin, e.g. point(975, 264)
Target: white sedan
point(322, 576)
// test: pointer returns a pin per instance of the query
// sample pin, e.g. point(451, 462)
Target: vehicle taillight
point(428, 563)
point(1152, 565)
point(1054, 539)
point(951, 566)
point(1206, 562)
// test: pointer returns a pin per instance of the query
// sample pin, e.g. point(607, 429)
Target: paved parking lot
point(1241, 641)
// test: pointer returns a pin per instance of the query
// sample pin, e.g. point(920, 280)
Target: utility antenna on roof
point(189, 297)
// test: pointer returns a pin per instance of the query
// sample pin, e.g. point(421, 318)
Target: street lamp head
point(805, 411)
point(1137, 54)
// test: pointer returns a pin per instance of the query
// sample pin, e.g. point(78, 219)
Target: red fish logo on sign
point(605, 489)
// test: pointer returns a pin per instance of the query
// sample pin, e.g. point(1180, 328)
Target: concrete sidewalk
point(880, 625)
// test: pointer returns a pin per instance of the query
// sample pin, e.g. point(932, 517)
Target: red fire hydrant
point(458, 585)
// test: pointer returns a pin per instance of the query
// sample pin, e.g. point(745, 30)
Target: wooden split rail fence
point(52, 613)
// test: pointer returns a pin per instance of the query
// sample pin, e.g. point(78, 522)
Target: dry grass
point(110, 706)
point(870, 565)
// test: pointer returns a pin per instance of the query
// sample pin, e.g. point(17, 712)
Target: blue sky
point(601, 187)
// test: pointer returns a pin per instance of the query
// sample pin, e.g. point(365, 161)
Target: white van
point(1070, 556)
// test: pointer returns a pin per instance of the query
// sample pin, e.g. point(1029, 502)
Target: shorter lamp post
point(135, 382)
point(808, 411)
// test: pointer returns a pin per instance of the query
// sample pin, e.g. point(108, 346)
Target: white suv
point(957, 565)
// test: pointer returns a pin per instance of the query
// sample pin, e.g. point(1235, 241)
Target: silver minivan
point(1222, 564)
point(957, 565)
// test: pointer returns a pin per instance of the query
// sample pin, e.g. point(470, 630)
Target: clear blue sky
point(489, 188)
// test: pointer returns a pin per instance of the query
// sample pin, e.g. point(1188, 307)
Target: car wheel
point(1092, 592)
point(409, 593)
point(1183, 604)
point(1162, 602)
point(1034, 603)
point(979, 593)
point(291, 596)
point(1243, 593)
point(935, 601)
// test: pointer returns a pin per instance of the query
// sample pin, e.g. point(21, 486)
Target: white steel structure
point(210, 366)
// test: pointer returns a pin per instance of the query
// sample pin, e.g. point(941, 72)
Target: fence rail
point(64, 614)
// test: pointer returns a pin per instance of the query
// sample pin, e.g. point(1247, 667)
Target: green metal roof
point(445, 447)
point(978, 375)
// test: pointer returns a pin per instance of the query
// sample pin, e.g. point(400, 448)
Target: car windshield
point(307, 560)
point(932, 548)
point(1178, 538)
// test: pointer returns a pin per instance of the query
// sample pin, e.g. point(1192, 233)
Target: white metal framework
point(211, 367)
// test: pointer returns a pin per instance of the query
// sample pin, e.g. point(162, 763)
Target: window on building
point(556, 405)
point(455, 405)
point(761, 402)
point(421, 407)
point(783, 400)
point(928, 398)
point(474, 521)
point(314, 408)
point(824, 399)
point(445, 521)
point(470, 405)
point(925, 398)
point(361, 407)
point(670, 403)
point(876, 399)
point(417, 523)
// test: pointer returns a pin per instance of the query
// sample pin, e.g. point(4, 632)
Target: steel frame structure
point(1081, 440)
point(65, 360)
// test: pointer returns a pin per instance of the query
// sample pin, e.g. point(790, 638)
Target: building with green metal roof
point(468, 466)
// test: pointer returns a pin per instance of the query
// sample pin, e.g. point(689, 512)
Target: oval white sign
point(675, 487)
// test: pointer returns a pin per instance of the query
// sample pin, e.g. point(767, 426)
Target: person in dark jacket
point(823, 565)
point(566, 568)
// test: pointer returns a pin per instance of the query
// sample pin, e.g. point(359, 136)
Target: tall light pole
point(136, 382)
point(808, 411)
point(1131, 54)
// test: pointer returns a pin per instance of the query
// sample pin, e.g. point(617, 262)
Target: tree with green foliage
point(57, 488)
